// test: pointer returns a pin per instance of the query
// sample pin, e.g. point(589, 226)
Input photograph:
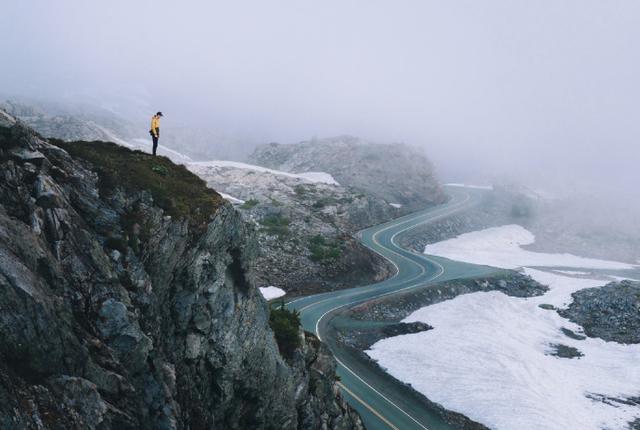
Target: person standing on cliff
point(155, 130)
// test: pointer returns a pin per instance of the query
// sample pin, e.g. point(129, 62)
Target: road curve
point(382, 402)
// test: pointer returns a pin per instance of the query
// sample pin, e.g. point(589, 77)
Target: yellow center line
point(366, 405)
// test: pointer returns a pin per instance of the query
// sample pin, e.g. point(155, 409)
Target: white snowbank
point(271, 292)
point(395, 205)
point(488, 354)
point(315, 177)
point(478, 187)
point(500, 247)
point(487, 358)
point(231, 198)
point(572, 272)
point(321, 177)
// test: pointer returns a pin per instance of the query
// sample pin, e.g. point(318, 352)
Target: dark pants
point(154, 137)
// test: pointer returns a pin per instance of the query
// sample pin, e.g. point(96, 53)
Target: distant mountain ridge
point(397, 173)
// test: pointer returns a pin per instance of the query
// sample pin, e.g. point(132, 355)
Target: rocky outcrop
point(122, 310)
point(305, 229)
point(395, 173)
point(611, 312)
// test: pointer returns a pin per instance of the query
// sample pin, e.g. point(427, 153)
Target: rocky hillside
point(305, 228)
point(395, 173)
point(128, 301)
point(611, 312)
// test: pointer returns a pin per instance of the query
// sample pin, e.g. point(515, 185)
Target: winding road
point(383, 402)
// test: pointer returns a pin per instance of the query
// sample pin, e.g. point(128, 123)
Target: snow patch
point(572, 272)
point(488, 358)
point(477, 187)
point(501, 247)
point(395, 205)
point(314, 177)
point(232, 199)
point(271, 292)
point(321, 177)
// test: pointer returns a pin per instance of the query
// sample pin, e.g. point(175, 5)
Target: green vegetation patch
point(323, 251)
point(249, 204)
point(302, 190)
point(275, 225)
point(325, 201)
point(174, 188)
point(285, 324)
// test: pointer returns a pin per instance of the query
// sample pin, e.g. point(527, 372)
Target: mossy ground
point(173, 188)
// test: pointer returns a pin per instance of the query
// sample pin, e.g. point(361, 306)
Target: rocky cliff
point(305, 229)
point(396, 173)
point(128, 301)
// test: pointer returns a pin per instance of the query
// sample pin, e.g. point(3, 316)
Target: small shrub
point(276, 202)
point(249, 204)
point(160, 170)
point(325, 201)
point(301, 190)
point(318, 240)
point(275, 225)
point(285, 324)
point(322, 251)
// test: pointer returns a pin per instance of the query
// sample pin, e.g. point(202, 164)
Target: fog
point(546, 93)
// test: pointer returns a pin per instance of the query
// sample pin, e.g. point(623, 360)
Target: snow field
point(488, 356)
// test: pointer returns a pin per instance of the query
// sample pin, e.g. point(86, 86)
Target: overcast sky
point(546, 89)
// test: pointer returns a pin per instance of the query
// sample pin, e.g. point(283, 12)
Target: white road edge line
point(456, 208)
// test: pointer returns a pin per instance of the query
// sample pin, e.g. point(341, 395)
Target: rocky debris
point(571, 334)
point(305, 230)
point(399, 306)
point(116, 314)
point(393, 173)
point(363, 338)
point(611, 312)
point(319, 413)
point(564, 351)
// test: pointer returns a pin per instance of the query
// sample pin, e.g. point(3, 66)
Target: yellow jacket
point(155, 125)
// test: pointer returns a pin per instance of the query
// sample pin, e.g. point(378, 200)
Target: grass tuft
point(173, 188)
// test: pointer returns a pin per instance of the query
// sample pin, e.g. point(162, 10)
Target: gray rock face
point(305, 230)
point(165, 332)
point(395, 173)
point(611, 312)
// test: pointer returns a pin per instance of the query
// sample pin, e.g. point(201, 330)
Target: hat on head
point(159, 114)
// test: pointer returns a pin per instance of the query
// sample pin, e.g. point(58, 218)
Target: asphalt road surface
point(382, 401)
